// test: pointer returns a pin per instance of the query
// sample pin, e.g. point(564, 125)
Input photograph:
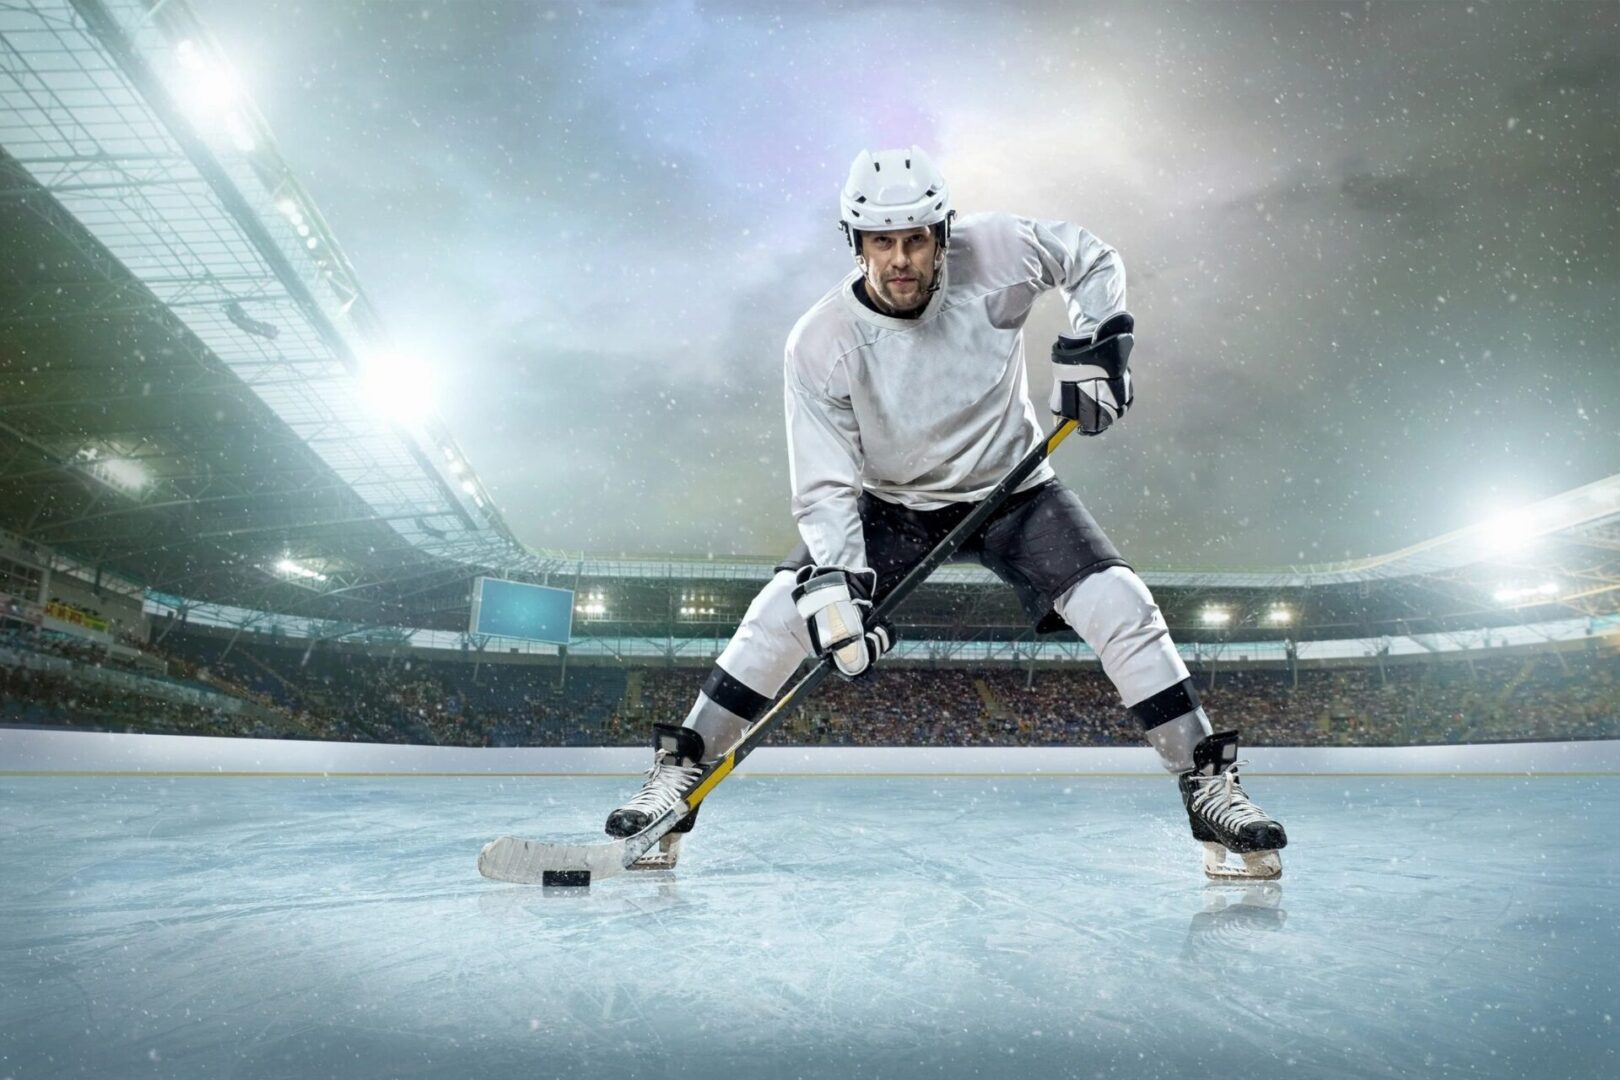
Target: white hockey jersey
point(936, 409)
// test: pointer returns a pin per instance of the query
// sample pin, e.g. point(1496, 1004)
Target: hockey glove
point(836, 604)
point(1091, 380)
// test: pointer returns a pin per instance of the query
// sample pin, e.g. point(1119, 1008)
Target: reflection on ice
point(1233, 914)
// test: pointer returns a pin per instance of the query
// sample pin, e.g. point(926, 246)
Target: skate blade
point(669, 850)
point(1256, 865)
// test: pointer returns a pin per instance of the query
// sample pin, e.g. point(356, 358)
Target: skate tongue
point(681, 743)
point(1216, 753)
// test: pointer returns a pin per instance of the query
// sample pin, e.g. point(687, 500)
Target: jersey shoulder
point(992, 250)
point(821, 336)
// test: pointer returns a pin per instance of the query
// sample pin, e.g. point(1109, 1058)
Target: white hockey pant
point(767, 648)
point(1111, 610)
point(1114, 613)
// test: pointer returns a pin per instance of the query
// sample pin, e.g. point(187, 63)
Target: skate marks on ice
point(829, 927)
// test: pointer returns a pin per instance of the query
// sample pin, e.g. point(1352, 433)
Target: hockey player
point(907, 401)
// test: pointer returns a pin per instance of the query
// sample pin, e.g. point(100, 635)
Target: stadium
point(269, 644)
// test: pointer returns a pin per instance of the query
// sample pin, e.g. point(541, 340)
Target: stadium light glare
point(1216, 616)
point(397, 386)
point(121, 474)
point(211, 89)
point(1509, 533)
point(125, 474)
point(289, 568)
point(1279, 616)
point(241, 137)
point(1518, 594)
point(469, 487)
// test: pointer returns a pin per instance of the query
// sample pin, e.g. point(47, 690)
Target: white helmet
point(894, 189)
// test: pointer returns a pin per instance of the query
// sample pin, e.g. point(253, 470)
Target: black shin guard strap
point(1166, 705)
point(734, 695)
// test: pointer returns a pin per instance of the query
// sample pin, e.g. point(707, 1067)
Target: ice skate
point(677, 753)
point(1224, 820)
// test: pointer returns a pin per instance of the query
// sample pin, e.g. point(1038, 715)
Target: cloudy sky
point(1373, 249)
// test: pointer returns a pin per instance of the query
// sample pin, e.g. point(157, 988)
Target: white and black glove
point(1091, 380)
point(836, 604)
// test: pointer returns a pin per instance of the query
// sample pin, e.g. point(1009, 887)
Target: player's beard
point(913, 299)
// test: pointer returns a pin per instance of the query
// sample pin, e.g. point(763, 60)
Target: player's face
point(899, 267)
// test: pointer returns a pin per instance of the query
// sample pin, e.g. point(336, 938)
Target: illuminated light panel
point(1518, 594)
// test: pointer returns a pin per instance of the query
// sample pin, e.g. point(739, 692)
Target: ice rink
point(257, 927)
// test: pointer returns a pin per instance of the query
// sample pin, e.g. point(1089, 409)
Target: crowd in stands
point(293, 690)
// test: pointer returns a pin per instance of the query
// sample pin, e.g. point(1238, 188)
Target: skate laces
point(664, 783)
point(1222, 798)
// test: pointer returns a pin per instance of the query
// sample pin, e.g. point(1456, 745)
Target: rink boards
point(37, 751)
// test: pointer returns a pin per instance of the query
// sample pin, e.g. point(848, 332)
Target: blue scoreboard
point(513, 609)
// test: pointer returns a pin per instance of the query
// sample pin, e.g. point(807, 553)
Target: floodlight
point(1279, 616)
point(123, 474)
point(211, 87)
point(288, 568)
point(397, 386)
point(1216, 616)
point(1518, 594)
point(1509, 533)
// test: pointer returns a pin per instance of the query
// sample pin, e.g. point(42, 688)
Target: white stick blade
point(528, 862)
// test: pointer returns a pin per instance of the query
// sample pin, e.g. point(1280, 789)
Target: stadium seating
point(379, 696)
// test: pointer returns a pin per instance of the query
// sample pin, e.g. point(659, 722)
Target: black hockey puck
point(566, 878)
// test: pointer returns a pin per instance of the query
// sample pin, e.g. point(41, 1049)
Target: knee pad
point(768, 646)
point(1114, 613)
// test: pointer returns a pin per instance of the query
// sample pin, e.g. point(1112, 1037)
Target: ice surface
point(818, 927)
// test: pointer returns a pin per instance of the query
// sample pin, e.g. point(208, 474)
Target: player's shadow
point(1235, 917)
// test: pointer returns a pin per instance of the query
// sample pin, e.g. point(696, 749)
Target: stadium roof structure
point(1555, 559)
point(184, 355)
point(185, 348)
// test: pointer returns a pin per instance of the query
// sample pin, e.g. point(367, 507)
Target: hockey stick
point(530, 861)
